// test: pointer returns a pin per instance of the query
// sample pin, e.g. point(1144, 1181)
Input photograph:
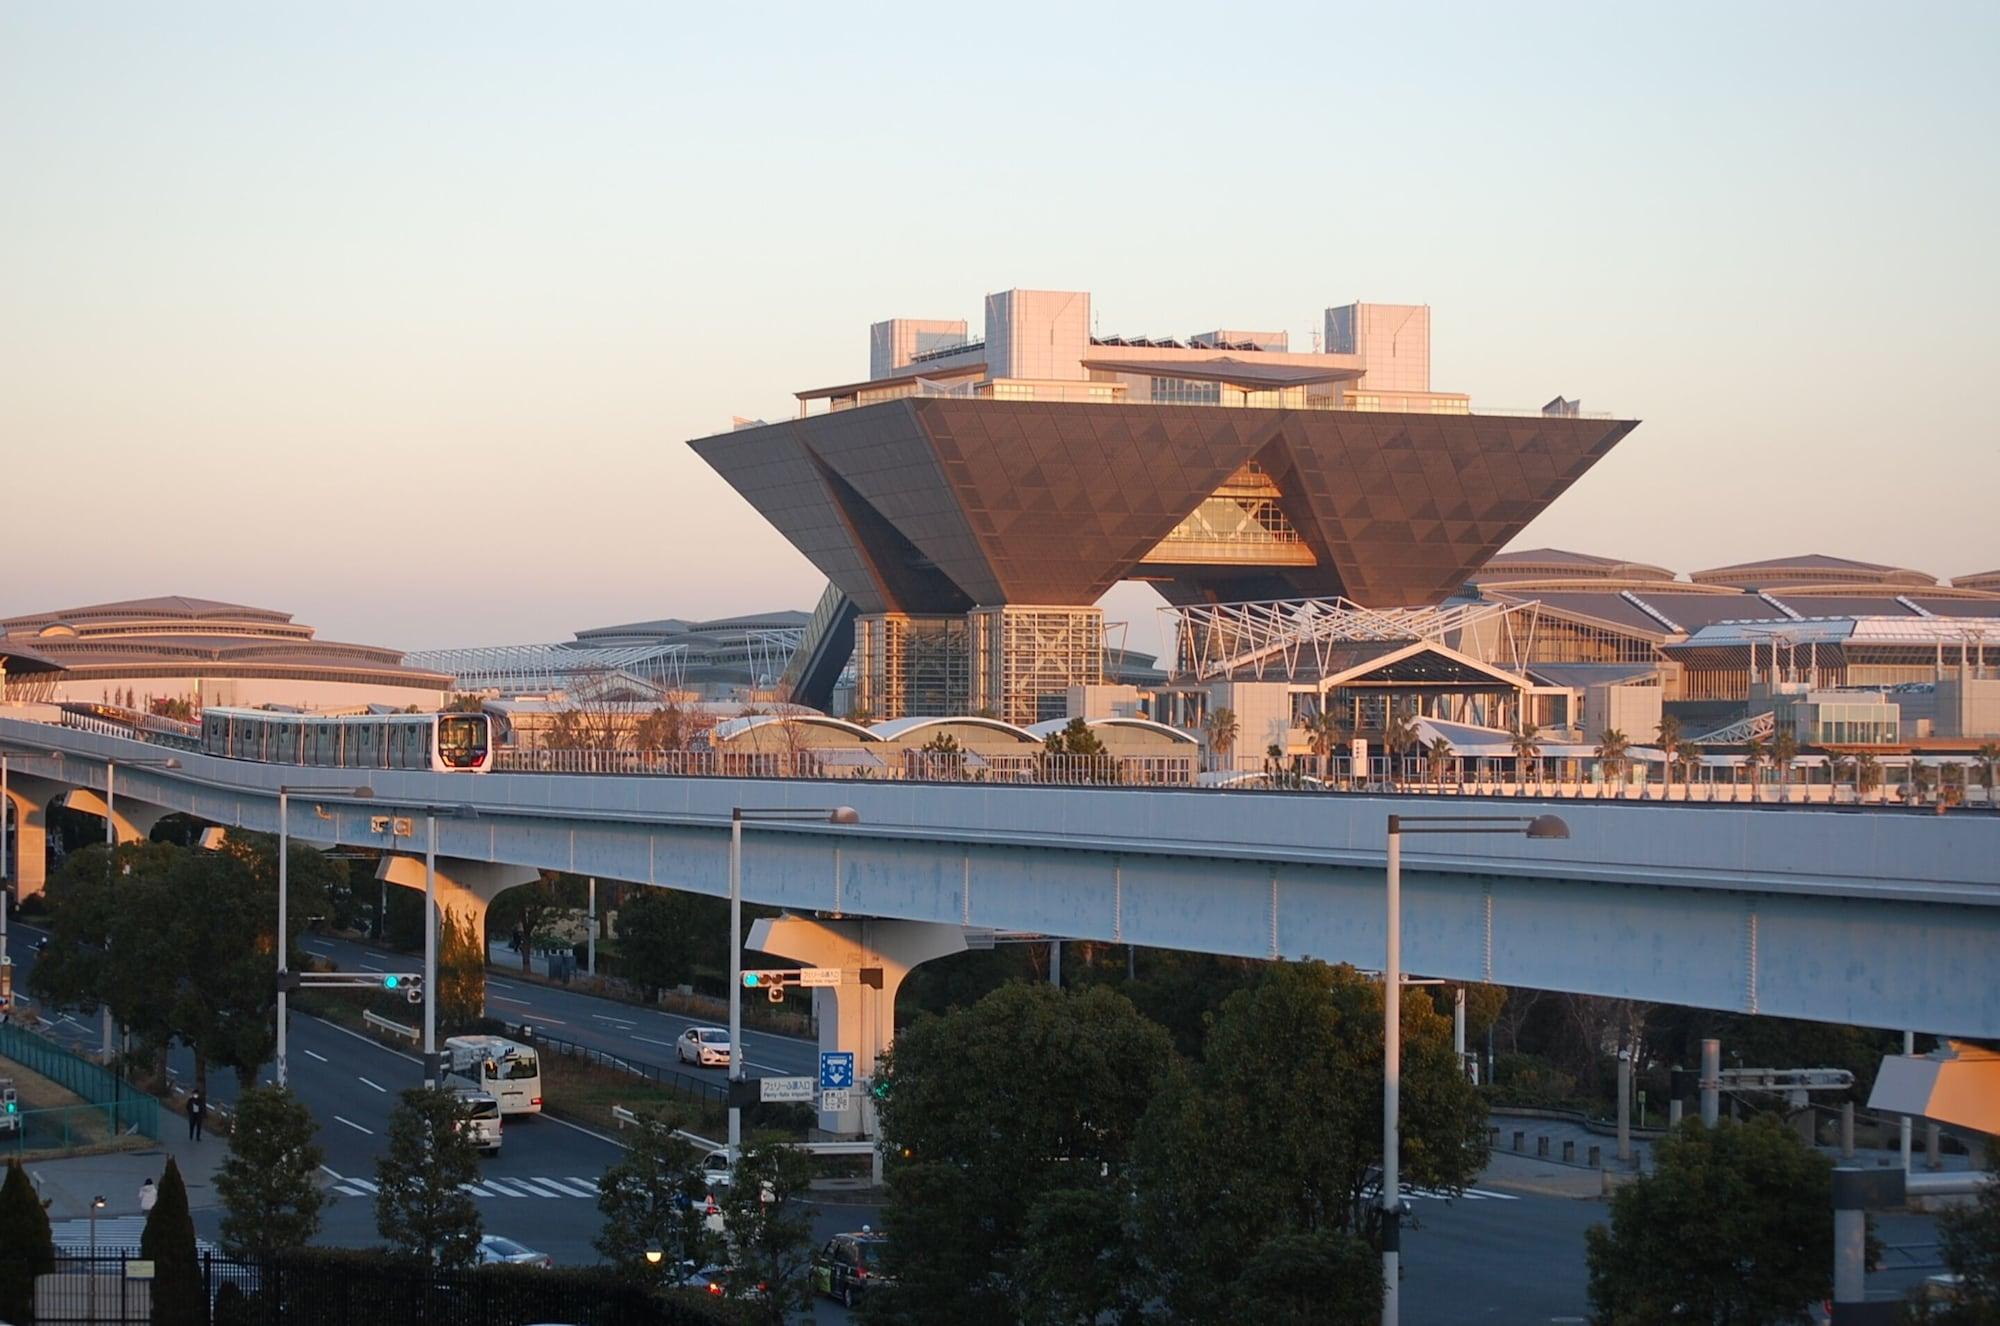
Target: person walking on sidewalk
point(197, 1107)
point(148, 1194)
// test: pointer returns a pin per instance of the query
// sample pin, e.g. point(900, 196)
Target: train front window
point(462, 739)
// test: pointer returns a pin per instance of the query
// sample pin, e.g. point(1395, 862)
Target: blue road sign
point(836, 1070)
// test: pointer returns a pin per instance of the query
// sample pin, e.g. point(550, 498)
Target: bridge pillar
point(134, 819)
point(464, 891)
point(853, 1016)
point(28, 835)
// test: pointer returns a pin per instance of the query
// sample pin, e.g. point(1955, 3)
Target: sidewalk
point(69, 1184)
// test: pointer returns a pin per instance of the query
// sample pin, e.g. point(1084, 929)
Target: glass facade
point(1182, 391)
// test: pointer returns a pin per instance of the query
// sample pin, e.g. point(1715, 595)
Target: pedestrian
point(148, 1194)
point(197, 1107)
point(519, 939)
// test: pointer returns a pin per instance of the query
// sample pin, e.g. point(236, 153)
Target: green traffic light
point(391, 982)
point(751, 979)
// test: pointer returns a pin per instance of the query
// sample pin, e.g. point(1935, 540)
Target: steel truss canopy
point(592, 669)
point(1334, 641)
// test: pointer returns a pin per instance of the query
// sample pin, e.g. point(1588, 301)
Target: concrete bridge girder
point(134, 819)
point(465, 889)
point(856, 1017)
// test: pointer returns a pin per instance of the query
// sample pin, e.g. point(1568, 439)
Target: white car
point(495, 1251)
point(715, 1169)
point(706, 1046)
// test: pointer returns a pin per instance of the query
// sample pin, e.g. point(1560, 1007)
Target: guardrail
point(1031, 766)
point(375, 1019)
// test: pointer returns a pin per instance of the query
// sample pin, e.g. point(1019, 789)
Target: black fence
point(338, 1287)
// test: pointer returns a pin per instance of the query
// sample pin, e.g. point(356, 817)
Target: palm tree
point(1527, 749)
point(1437, 753)
point(1784, 754)
point(1668, 737)
point(1834, 761)
point(1867, 772)
point(1611, 747)
point(1753, 760)
point(1221, 727)
point(1399, 734)
point(1325, 734)
point(1989, 767)
point(1689, 756)
point(1922, 778)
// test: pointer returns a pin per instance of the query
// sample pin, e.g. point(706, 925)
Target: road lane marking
point(622, 1022)
point(505, 1000)
point(320, 1057)
point(366, 967)
point(365, 1082)
point(650, 1041)
point(502, 984)
point(587, 1183)
point(566, 1188)
point(331, 1173)
point(378, 957)
point(545, 1188)
point(751, 1063)
point(355, 1126)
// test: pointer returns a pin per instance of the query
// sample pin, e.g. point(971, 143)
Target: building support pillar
point(28, 839)
point(465, 889)
point(133, 819)
point(853, 1016)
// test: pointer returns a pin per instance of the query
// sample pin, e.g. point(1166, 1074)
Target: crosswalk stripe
point(367, 1185)
point(545, 1186)
point(571, 1187)
point(588, 1183)
point(474, 1189)
point(514, 1185)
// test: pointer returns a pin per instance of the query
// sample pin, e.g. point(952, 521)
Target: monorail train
point(447, 743)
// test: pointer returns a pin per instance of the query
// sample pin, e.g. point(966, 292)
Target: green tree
point(529, 906)
point(1969, 1238)
point(26, 1247)
point(1437, 755)
point(1079, 1261)
point(1279, 1130)
point(461, 970)
point(421, 1209)
point(654, 1198)
point(976, 1144)
point(269, 1184)
point(1318, 1279)
point(1667, 733)
point(179, 1296)
point(770, 1231)
point(1755, 753)
point(665, 934)
point(1073, 738)
point(1732, 1226)
point(1399, 737)
point(1989, 766)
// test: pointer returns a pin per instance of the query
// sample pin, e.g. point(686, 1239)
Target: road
point(1501, 1254)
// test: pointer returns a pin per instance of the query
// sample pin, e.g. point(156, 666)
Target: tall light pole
point(284, 945)
point(433, 1073)
point(834, 815)
point(1538, 826)
point(111, 843)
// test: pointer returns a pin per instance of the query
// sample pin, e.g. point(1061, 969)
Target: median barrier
point(380, 1023)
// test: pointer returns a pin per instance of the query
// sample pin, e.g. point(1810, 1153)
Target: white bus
point(507, 1070)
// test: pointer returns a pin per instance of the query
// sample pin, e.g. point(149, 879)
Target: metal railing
point(698, 1089)
point(1029, 766)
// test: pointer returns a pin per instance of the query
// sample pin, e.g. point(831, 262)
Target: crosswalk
point(1469, 1195)
point(511, 1186)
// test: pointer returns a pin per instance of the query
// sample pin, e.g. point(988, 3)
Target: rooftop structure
point(1811, 569)
point(201, 651)
point(1020, 476)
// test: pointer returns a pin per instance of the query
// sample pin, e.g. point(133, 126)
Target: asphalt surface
point(1505, 1252)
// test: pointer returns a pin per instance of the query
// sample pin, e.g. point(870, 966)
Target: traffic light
point(391, 982)
point(411, 986)
point(771, 980)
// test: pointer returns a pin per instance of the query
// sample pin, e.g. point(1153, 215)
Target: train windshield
point(462, 739)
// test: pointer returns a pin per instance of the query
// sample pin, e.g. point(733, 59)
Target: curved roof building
point(181, 648)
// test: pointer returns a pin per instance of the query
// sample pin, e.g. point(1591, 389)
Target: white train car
point(446, 743)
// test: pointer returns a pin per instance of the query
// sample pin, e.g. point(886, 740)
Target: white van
point(479, 1118)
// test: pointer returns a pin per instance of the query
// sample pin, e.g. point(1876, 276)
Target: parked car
point(849, 1266)
point(706, 1046)
point(496, 1251)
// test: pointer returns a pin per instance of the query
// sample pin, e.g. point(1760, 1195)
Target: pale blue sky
point(397, 316)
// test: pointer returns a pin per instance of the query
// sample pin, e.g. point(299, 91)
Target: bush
point(1529, 1079)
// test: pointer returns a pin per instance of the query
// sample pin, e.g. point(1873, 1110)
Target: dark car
point(850, 1266)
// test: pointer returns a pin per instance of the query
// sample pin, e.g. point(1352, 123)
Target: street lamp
point(432, 1068)
point(285, 791)
point(835, 815)
point(1537, 826)
point(111, 842)
point(96, 1205)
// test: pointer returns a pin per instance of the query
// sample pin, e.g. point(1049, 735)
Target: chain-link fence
point(120, 1106)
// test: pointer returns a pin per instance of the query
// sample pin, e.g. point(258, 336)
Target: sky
point(398, 317)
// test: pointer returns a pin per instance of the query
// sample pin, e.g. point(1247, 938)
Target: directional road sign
point(810, 976)
point(836, 1070)
point(833, 1102)
point(785, 1088)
